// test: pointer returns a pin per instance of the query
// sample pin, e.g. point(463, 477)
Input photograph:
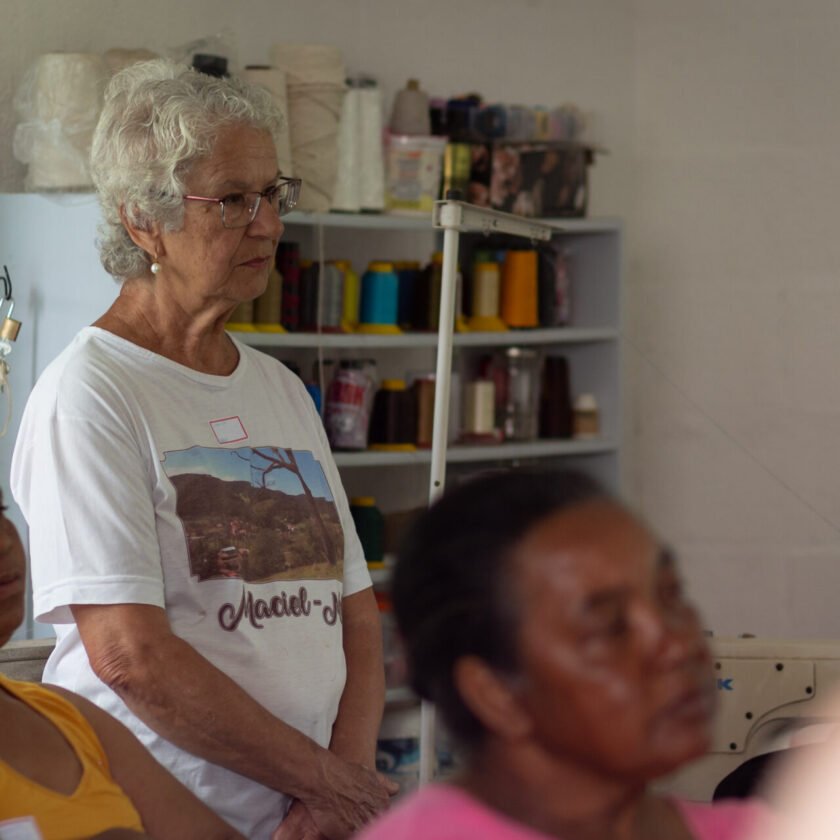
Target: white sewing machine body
point(766, 689)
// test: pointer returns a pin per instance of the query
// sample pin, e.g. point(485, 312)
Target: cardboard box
point(531, 179)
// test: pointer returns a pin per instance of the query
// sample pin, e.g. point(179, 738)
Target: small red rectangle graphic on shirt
point(228, 430)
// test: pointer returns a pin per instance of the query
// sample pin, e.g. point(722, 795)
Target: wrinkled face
point(12, 580)
point(207, 261)
point(615, 670)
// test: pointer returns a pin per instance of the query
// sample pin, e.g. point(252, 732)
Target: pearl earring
point(155, 267)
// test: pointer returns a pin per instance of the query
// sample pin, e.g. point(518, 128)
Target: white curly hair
point(158, 120)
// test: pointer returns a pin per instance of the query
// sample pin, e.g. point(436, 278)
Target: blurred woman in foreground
point(549, 627)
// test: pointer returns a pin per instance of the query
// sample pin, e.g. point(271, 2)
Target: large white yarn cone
point(315, 89)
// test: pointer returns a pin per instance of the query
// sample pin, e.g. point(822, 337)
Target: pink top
point(443, 812)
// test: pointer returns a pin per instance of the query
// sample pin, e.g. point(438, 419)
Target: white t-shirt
point(215, 497)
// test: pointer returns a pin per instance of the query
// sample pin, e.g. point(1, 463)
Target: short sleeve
point(84, 487)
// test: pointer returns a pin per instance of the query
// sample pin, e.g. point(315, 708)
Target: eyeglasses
point(240, 209)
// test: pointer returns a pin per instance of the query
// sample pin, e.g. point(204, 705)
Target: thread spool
point(393, 422)
point(485, 298)
point(519, 289)
point(331, 288)
point(288, 264)
point(408, 273)
point(556, 413)
point(454, 425)
point(274, 81)
point(59, 102)
point(379, 300)
point(370, 526)
point(242, 318)
point(308, 290)
point(410, 114)
point(267, 307)
point(320, 289)
point(314, 391)
point(372, 181)
point(309, 63)
point(314, 113)
point(315, 91)
point(424, 397)
point(347, 196)
point(479, 412)
point(350, 298)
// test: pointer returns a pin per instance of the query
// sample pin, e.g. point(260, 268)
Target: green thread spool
point(370, 526)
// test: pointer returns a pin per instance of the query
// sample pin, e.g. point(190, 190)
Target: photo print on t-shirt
point(258, 514)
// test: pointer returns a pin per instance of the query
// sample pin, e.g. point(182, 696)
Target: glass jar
point(520, 416)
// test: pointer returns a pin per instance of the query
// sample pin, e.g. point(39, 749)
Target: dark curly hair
point(451, 583)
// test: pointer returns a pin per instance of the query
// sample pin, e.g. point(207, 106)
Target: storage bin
point(532, 179)
point(413, 173)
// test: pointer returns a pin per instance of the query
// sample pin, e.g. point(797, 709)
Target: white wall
point(734, 304)
point(724, 133)
point(532, 51)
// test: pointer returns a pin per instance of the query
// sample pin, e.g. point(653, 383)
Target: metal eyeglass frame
point(292, 185)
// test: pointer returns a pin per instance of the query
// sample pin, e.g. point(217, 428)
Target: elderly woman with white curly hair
point(190, 537)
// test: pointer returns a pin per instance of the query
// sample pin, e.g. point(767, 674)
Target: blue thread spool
point(380, 299)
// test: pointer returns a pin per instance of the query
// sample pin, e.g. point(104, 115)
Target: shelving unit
point(591, 343)
point(351, 341)
point(477, 454)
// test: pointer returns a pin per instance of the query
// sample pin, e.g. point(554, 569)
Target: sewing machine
point(767, 689)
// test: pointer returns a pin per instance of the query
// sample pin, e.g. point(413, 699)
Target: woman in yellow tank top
point(69, 771)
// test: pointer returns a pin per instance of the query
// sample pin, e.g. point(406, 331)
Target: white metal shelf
point(362, 221)
point(393, 221)
point(469, 454)
point(357, 341)
point(400, 696)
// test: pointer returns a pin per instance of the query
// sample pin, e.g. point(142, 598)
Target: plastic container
point(347, 406)
point(587, 423)
point(520, 414)
point(392, 654)
point(413, 167)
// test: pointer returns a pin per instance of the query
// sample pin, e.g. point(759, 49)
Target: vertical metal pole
point(440, 430)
